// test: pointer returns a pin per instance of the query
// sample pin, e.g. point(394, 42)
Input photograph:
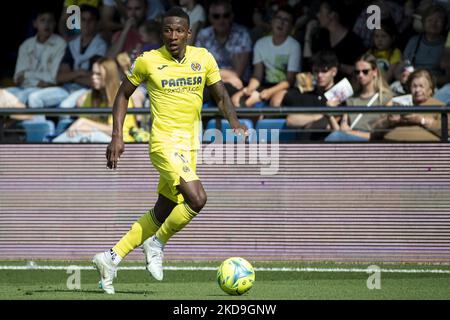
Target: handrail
point(215, 112)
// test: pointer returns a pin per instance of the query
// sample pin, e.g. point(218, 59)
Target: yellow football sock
point(145, 227)
point(180, 216)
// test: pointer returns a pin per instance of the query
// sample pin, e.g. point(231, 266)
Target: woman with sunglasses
point(371, 89)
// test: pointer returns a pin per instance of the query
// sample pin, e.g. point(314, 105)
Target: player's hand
point(114, 151)
point(240, 129)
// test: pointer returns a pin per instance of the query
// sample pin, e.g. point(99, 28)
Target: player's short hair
point(325, 59)
point(177, 11)
point(92, 10)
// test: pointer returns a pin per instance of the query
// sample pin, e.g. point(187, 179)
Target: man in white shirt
point(276, 60)
point(74, 71)
point(39, 57)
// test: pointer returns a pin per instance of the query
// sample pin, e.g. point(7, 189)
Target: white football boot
point(153, 251)
point(105, 267)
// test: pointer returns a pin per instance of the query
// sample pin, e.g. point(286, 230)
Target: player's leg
point(194, 200)
point(184, 187)
point(145, 227)
point(106, 262)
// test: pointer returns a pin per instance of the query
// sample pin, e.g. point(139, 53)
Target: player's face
point(175, 33)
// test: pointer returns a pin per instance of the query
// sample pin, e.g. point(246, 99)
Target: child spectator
point(383, 48)
point(402, 18)
point(39, 58)
point(400, 87)
point(74, 71)
point(276, 60)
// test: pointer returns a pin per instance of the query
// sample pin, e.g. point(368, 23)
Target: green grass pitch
point(202, 285)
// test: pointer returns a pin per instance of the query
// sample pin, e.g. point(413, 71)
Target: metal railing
point(242, 112)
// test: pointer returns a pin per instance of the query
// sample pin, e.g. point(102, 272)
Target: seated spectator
point(402, 18)
point(324, 70)
point(74, 71)
point(370, 90)
point(425, 50)
point(229, 43)
point(443, 93)
point(39, 58)
point(150, 35)
point(104, 87)
point(197, 17)
point(383, 48)
point(333, 35)
point(416, 126)
point(62, 25)
point(276, 60)
point(400, 87)
point(129, 39)
point(111, 8)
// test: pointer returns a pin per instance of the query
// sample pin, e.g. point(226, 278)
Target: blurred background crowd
point(270, 53)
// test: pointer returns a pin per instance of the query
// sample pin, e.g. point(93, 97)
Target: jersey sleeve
point(138, 72)
point(212, 70)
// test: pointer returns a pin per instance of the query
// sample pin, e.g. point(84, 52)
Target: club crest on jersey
point(196, 66)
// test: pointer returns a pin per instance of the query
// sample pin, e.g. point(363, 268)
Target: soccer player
point(175, 75)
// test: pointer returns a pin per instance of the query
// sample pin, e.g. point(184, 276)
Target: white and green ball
point(235, 276)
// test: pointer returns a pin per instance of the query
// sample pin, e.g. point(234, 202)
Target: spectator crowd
point(288, 53)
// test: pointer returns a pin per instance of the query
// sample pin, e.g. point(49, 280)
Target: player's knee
point(198, 201)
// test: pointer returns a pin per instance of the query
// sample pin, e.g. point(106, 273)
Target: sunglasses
point(364, 71)
point(217, 16)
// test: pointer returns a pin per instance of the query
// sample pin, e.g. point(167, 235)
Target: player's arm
point(116, 146)
point(223, 101)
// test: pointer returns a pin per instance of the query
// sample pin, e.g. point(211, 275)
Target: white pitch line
point(194, 268)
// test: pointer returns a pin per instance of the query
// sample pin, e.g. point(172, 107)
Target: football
point(235, 276)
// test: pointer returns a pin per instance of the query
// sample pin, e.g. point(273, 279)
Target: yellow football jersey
point(176, 94)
